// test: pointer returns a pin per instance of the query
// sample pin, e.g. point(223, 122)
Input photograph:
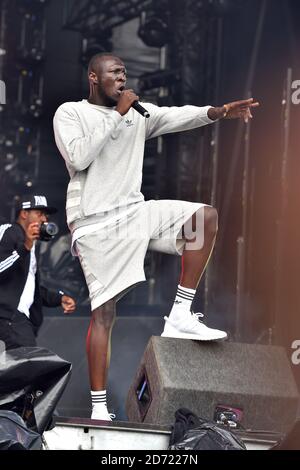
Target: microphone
point(139, 108)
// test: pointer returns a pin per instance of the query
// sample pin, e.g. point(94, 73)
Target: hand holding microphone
point(128, 99)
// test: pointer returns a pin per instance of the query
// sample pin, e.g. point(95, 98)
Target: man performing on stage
point(102, 141)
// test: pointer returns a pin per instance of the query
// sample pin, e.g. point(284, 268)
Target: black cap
point(29, 202)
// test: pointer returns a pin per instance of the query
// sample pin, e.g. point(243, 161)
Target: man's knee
point(211, 220)
point(205, 218)
point(104, 316)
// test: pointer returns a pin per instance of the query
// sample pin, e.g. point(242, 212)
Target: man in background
point(22, 295)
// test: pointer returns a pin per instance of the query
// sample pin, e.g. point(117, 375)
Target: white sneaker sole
point(100, 418)
point(171, 332)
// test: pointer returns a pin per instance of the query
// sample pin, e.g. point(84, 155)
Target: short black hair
point(94, 60)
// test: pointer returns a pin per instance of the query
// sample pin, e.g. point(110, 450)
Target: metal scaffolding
point(22, 33)
point(100, 16)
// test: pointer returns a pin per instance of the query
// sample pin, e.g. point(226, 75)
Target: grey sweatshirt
point(104, 154)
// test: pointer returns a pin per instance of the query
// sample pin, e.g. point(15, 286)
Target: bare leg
point(183, 322)
point(98, 344)
point(194, 262)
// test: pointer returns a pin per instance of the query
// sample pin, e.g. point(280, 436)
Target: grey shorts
point(112, 258)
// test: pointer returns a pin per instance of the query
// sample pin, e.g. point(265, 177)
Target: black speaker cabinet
point(253, 384)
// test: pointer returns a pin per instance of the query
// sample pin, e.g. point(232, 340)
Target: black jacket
point(14, 267)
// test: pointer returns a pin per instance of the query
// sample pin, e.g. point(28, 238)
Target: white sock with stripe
point(184, 298)
point(99, 400)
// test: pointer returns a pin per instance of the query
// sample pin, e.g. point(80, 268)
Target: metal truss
point(100, 16)
point(20, 127)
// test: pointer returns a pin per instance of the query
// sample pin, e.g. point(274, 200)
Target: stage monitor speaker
point(250, 384)
point(292, 439)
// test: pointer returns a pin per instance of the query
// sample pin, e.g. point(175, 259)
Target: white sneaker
point(189, 326)
point(102, 414)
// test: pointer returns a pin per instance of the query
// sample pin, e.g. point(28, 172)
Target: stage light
point(154, 31)
point(8, 143)
point(36, 54)
point(36, 107)
point(31, 56)
point(10, 162)
point(2, 52)
point(25, 179)
point(157, 79)
point(27, 73)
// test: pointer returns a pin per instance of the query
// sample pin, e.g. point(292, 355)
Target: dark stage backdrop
point(216, 52)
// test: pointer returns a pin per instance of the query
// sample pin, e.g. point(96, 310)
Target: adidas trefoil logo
point(129, 122)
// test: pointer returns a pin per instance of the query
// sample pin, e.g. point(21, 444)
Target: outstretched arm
point(234, 110)
point(164, 120)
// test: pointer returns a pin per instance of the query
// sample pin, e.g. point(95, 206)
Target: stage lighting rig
point(31, 49)
point(31, 56)
point(10, 162)
point(158, 79)
point(30, 92)
point(8, 157)
point(27, 180)
point(154, 30)
point(19, 152)
point(25, 34)
point(100, 16)
point(36, 107)
point(32, 31)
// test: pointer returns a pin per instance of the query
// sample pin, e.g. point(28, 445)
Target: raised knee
point(211, 220)
point(104, 316)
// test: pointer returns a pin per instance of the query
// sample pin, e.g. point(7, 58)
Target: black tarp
point(32, 381)
point(14, 434)
point(190, 432)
